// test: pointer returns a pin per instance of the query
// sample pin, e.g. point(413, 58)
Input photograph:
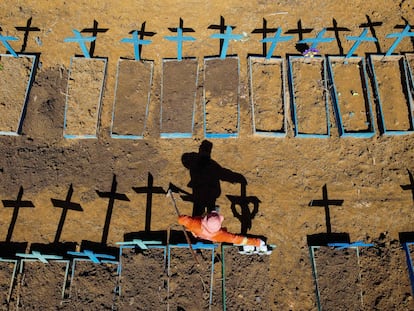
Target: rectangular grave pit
point(178, 94)
point(191, 285)
point(240, 293)
point(409, 57)
point(42, 284)
point(132, 97)
point(385, 281)
point(93, 286)
point(351, 97)
point(8, 272)
point(267, 94)
point(16, 77)
point(221, 97)
point(83, 97)
point(142, 280)
point(309, 102)
point(391, 90)
point(337, 278)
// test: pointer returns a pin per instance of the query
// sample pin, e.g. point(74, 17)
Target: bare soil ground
point(284, 174)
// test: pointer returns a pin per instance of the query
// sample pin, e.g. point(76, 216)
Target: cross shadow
point(300, 31)
point(402, 27)
point(16, 205)
point(245, 215)
point(149, 190)
point(222, 29)
point(410, 186)
point(27, 30)
point(264, 31)
point(205, 177)
point(94, 31)
point(323, 239)
point(336, 30)
point(65, 206)
point(371, 26)
point(112, 196)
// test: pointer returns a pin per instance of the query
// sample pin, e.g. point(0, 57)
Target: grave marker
point(112, 195)
point(16, 205)
point(65, 206)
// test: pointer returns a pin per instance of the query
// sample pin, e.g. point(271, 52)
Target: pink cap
point(212, 222)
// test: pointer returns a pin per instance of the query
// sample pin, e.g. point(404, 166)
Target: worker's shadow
point(205, 177)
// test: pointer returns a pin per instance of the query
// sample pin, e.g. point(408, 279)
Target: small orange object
point(209, 228)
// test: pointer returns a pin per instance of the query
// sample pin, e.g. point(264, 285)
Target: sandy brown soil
point(283, 174)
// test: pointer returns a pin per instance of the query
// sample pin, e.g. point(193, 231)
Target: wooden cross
point(27, 29)
point(65, 206)
point(17, 204)
point(264, 31)
point(371, 25)
point(222, 28)
point(94, 31)
point(149, 190)
point(180, 38)
point(112, 195)
point(325, 202)
point(139, 41)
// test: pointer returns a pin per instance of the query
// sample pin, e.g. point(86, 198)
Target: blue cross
point(141, 244)
point(4, 39)
point(227, 36)
point(347, 245)
point(399, 36)
point(318, 39)
point(38, 256)
point(91, 255)
point(180, 38)
point(275, 40)
point(137, 42)
point(358, 40)
point(78, 38)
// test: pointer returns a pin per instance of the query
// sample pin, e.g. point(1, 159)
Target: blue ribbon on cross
point(399, 36)
point(227, 36)
point(4, 40)
point(180, 39)
point(78, 38)
point(137, 42)
point(275, 40)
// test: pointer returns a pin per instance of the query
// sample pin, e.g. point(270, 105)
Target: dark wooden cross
point(94, 31)
point(336, 31)
point(264, 31)
point(112, 195)
point(411, 185)
point(16, 205)
point(325, 202)
point(27, 29)
point(371, 25)
point(149, 190)
point(65, 206)
point(222, 28)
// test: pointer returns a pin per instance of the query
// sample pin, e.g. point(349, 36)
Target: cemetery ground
point(371, 176)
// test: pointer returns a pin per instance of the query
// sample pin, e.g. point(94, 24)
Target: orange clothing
point(194, 225)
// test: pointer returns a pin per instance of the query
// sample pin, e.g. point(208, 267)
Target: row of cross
point(150, 189)
point(226, 35)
